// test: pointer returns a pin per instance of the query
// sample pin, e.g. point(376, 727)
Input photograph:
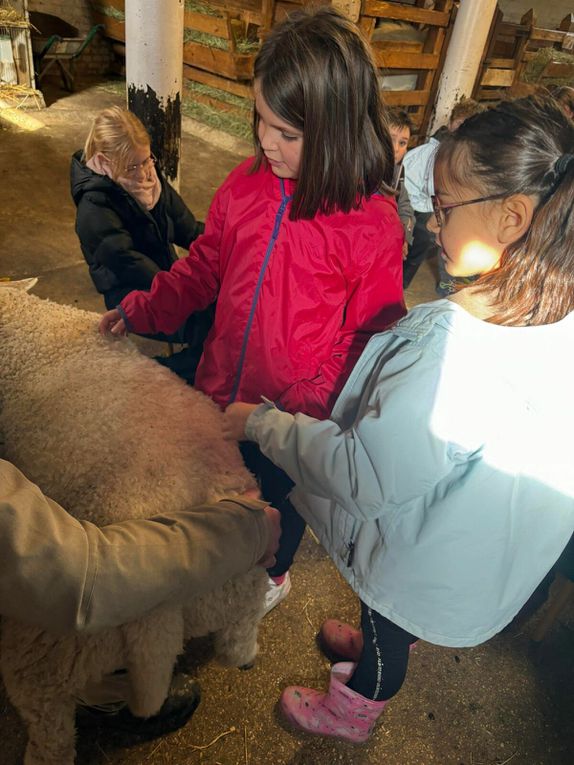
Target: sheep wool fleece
point(111, 435)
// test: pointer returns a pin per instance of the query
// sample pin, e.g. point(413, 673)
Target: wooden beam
point(405, 46)
point(244, 6)
point(500, 63)
point(395, 60)
point(214, 81)
point(559, 69)
point(387, 10)
point(405, 97)
point(547, 35)
point(367, 26)
point(236, 66)
point(529, 19)
point(491, 95)
point(210, 25)
point(497, 78)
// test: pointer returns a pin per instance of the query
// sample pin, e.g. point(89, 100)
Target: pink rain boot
point(341, 712)
point(340, 641)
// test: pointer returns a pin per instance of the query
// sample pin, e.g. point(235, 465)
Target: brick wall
point(77, 13)
point(97, 61)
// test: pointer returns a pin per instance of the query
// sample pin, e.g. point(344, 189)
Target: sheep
point(110, 434)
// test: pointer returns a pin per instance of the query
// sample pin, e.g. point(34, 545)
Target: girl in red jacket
point(301, 249)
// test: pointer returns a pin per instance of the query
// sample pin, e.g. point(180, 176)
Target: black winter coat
point(124, 244)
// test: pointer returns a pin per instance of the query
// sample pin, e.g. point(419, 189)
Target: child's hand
point(234, 420)
point(112, 322)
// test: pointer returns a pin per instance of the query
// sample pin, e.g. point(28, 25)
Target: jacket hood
point(82, 179)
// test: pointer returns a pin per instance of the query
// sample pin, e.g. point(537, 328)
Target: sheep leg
point(34, 687)
point(236, 643)
point(152, 646)
point(51, 730)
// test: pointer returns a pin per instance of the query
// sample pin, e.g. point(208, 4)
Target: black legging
point(381, 670)
point(275, 486)
point(423, 247)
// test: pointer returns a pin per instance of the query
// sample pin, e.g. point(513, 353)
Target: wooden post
point(350, 8)
point(154, 74)
point(22, 47)
point(463, 58)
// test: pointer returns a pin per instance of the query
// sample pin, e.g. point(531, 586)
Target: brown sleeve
point(61, 574)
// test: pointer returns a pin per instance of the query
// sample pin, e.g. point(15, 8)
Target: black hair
point(524, 146)
point(400, 118)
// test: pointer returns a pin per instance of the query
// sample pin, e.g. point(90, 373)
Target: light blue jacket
point(443, 486)
point(419, 180)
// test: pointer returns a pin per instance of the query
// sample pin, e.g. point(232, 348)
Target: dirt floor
point(502, 702)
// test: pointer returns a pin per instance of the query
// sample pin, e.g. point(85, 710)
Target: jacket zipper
point(351, 554)
point(278, 218)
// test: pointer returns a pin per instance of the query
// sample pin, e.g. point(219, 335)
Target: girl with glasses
point(442, 484)
point(128, 216)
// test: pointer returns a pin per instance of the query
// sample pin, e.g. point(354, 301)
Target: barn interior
point(506, 701)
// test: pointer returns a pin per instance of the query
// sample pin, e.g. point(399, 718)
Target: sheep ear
point(20, 284)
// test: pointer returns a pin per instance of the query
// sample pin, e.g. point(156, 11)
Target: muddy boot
point(339, 641)
point(181, 702)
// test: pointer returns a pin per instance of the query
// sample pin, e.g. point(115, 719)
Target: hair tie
point(562, 164)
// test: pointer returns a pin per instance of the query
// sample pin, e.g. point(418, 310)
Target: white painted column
point(154, 74)
point(463, 57)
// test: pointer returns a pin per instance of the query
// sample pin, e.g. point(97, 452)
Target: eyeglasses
point(145, 165)
point(440, 211)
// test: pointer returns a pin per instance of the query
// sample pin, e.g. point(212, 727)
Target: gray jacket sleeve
point(60, 574)
point(406, 213)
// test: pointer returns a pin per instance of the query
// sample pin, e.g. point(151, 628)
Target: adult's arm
point(60, 574)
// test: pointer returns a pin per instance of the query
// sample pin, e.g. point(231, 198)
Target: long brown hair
point(523, 147)
point(316, 72)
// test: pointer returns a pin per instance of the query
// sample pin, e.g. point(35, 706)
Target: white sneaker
point(276, 593)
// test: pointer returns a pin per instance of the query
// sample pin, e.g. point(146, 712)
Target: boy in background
point(400, 128)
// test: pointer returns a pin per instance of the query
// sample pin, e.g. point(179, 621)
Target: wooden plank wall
point(231, 70)
point(423, 58)
point(511, 47)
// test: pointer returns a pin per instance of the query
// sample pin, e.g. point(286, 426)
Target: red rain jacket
point(296, 300)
